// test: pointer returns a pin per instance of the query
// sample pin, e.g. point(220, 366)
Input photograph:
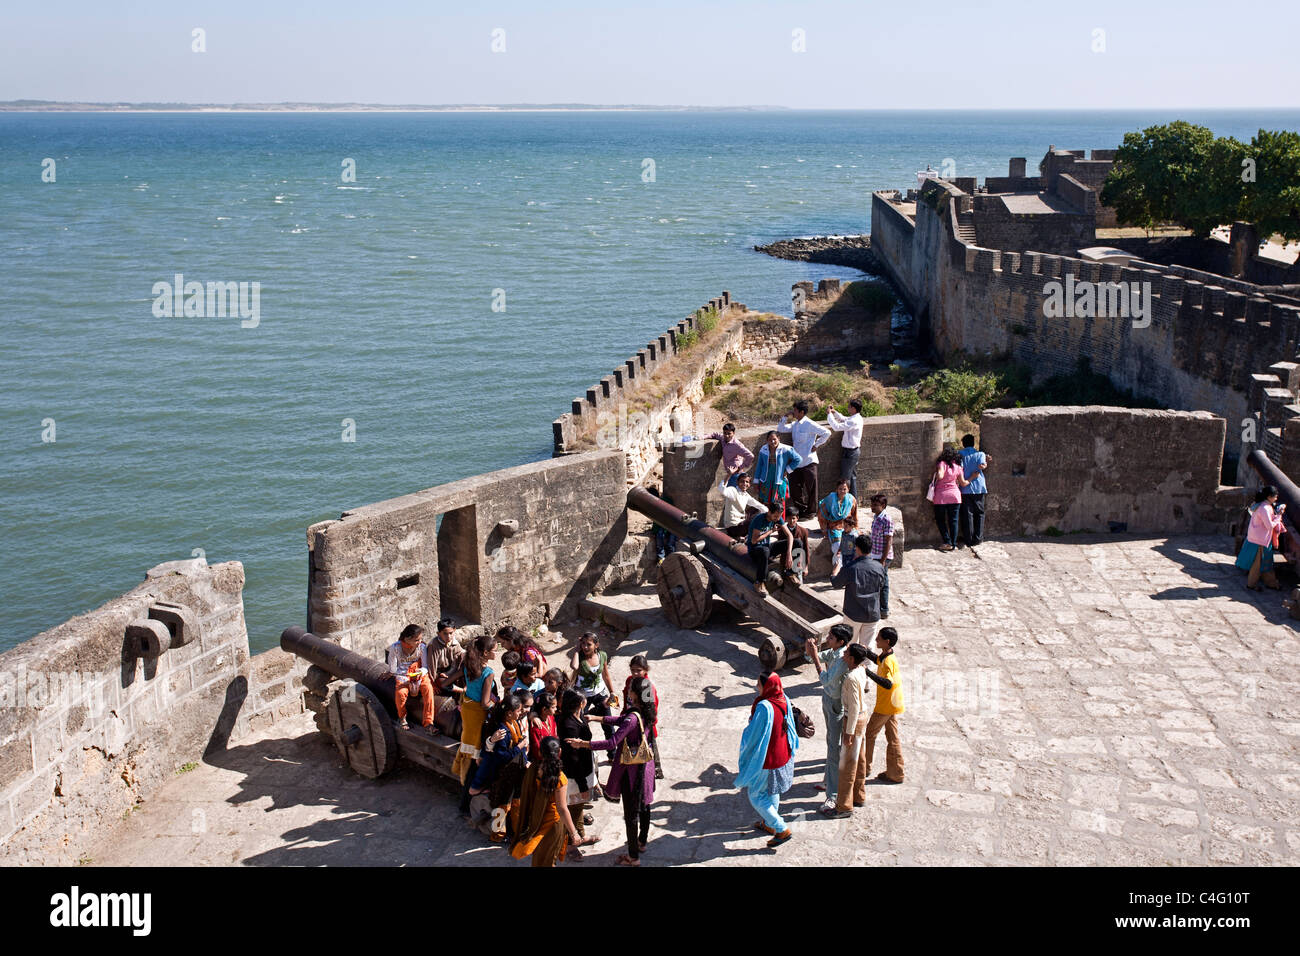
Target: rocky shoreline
point(852, 251)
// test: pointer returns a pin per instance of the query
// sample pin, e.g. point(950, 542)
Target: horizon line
point(161, 106)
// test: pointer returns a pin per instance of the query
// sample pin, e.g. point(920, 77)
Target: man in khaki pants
point(889, 704)
point(852, 789)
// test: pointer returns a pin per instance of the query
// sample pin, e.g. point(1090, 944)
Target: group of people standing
point(770, 739)
point(526, 754)
point(762, 511)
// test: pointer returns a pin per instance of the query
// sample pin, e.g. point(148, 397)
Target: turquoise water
point(176, 434)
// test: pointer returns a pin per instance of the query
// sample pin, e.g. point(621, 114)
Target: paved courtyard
point(1077, 701)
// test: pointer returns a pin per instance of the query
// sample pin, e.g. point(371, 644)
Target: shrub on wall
point(962, 391)
point(906, 401)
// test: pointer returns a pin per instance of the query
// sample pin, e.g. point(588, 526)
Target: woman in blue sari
point(838, 513)
point(767, 756)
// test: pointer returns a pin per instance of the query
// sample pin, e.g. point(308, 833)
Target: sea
point(423, 293)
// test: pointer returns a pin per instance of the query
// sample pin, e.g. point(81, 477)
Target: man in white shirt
point(851, 443)
point(736, 505)
point(806, 436)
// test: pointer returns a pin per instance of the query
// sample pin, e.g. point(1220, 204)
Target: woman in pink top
point(1256, 556)
point(948, 480)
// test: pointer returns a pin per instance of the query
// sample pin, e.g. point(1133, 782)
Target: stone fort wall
point(90, 725)
point(1204, 347)
point(519, 546)
point(1077, 469)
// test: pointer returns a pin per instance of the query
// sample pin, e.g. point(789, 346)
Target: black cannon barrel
point(342, 663)
point(1272, 474)
point(687, 528)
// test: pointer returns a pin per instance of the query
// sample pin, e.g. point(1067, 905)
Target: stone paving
point(1080, 701)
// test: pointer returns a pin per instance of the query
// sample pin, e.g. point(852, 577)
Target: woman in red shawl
point(767, 756)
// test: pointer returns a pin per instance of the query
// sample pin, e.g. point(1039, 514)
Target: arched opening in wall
point(459, 595)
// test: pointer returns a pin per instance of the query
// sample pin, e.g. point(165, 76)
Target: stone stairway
point(966, 227)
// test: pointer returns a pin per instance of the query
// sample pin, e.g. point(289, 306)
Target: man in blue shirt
point(971, 515)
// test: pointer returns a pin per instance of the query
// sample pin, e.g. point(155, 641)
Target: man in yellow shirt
point(889, 704)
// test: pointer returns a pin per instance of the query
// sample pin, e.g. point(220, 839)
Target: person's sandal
point(625, 860)
point(782, 837)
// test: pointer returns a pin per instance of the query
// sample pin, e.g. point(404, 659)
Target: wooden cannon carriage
point(688, 580)
point(361, 714)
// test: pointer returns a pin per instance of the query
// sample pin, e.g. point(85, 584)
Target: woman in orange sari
point(540, 821)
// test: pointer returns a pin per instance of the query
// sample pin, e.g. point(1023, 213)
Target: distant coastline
point(53, 106)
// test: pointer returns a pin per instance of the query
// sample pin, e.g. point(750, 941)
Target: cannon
point(361, 714)
point(688, 581)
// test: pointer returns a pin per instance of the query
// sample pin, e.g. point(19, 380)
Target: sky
point(857, 54)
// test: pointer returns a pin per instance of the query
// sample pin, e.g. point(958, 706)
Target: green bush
point(962, 391)
point(906, 401)
point(706, 320)
point(687, 339)
point(832, 389)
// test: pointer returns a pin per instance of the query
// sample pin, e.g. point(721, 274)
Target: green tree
point(1175, 173)
point(1272, 201)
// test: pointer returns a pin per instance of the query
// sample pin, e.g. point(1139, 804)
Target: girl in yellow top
point(889, 704)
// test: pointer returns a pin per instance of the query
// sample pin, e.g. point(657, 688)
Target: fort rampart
point(1199, 348)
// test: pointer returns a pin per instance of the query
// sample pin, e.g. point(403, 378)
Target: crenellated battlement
point(650, 395)
point(1192, 339)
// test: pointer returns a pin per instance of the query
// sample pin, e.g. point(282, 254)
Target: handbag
point(929, 493)
point(642, 754)
point(803, 724)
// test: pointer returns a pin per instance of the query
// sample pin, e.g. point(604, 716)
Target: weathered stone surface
point(97, 728)
point(386, 565)
point(1088, 469)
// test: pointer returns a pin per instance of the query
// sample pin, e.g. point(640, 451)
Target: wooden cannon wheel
point(362, 729)
point(685, 591)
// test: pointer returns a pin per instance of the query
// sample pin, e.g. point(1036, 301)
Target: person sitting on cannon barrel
point(408, 661)
point(737, 503)
point(768, 535)
point(446, 659)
